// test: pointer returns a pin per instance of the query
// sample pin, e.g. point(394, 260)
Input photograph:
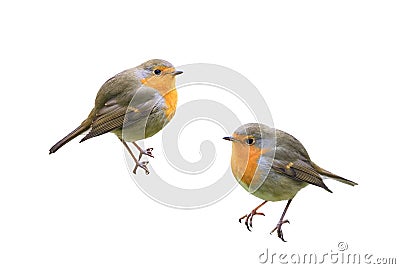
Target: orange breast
point(244, 162)
point(171, 100)
point(165, 85)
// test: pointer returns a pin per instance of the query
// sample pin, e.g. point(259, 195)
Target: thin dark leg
point(137, 163)
point(249, 217)
point(278, 227)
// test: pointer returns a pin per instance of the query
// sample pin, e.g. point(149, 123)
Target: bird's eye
point(250, 141)
point(157, 72)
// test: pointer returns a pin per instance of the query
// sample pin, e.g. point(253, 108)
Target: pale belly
point(276, 187)
point(143, 127)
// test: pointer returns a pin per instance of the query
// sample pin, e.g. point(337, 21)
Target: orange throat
point(165, 85)
point(244, 162)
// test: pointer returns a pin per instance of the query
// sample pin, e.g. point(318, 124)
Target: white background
point(329, 71)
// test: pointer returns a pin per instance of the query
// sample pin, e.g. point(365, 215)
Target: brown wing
point(107, 122)
point(299, 170)
point(113, 114)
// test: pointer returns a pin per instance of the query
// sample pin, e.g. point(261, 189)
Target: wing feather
point(299, 170)
point(113, 115)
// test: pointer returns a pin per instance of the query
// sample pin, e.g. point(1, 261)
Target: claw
point(249, 217)
point(142, 165)
point(148, 152)
point(142, 152)
point(278, 228)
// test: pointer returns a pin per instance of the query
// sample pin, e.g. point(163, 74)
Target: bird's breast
point(245, 162)
point(171, 100)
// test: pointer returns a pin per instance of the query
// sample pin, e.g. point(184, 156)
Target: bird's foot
point(249, 218)
point(142, 152)
point(142, 165)
point(278, 228)
point(146, 152)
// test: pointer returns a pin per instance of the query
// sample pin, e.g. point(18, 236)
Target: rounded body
point(255, 166)
point(133, 104)
point(269, 185)
point(138, 126)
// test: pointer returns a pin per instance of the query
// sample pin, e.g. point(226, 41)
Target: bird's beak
point(229, 138)
point(177, 72)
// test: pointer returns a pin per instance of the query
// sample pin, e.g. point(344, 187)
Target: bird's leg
point(146, 152)
point(278, 227)
point(137, 163)
point(249, 217)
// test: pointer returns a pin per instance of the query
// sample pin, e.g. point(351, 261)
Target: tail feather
point(333, 176)
point(82, 128)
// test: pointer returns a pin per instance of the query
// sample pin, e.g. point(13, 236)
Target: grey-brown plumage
point(292, 160)
point(113, 99)
point(274, 166)
point(134, 104)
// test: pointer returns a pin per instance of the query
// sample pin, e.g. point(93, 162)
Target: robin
point(278, 174)
point(134, 104)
